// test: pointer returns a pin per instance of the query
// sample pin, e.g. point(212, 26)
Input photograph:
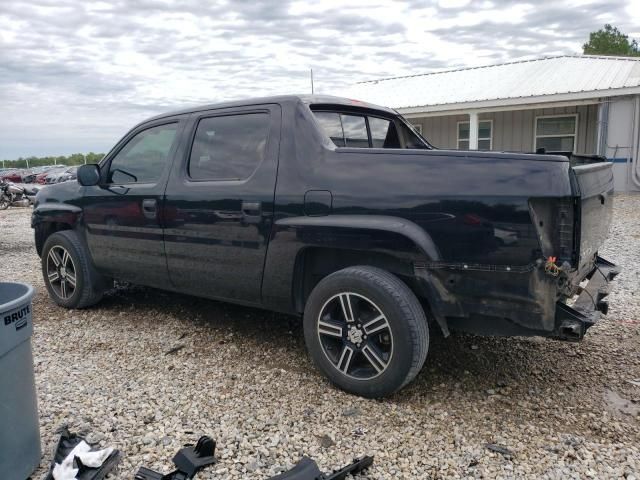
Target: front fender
point(55, 212)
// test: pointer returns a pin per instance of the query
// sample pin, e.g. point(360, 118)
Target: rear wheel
point(366, 331)
point(69, 276)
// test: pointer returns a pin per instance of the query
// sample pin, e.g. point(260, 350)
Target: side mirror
point(88, 175)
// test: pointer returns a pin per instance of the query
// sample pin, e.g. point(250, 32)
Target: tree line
point(73, 159)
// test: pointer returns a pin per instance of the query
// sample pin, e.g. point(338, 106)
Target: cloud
point(75, 76)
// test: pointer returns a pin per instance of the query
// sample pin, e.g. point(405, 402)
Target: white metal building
point(586, 104)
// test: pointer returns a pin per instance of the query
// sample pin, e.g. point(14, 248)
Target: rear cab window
point(364, 129)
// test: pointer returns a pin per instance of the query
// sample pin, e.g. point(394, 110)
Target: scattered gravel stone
point(244, 380)
point(175, 349)
point(326, 441)
point(499, 449)
point(620, 404)
point(352, 412)
point(94, 437)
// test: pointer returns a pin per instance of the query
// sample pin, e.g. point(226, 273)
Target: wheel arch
point(310, 248)
point(314, 263)
point(48, 219)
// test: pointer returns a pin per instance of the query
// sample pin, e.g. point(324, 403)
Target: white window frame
point(418, 127)
point(575, 132)
point(458, 139)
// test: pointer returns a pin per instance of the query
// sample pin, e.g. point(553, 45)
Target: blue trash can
point(20, 449)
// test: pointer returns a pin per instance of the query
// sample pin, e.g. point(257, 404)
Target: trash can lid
point(13, 294)
point(16, 325)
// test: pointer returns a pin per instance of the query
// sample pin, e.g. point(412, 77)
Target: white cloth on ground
point(66, 470)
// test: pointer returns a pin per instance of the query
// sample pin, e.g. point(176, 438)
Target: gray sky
point(76, 75)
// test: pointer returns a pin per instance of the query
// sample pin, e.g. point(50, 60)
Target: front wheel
point(4, 202)
point(366, 331)
point(68, 273)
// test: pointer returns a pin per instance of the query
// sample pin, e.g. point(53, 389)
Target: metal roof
point(563, 77)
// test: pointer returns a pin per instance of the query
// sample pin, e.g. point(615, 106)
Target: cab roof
point(324, 100)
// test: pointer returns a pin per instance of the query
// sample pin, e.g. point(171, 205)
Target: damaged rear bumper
point(576, 315)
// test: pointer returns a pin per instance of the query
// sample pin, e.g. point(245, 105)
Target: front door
point(122, 213)
point(219, 203)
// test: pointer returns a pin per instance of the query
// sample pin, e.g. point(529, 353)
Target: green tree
point(610, 41)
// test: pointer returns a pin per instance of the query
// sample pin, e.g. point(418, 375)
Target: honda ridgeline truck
point(338, 211)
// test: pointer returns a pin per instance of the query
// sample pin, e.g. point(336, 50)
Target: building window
point(417, 127)
point(485, 135)
point(556, 133)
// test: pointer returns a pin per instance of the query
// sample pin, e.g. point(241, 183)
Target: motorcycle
point(12, 195)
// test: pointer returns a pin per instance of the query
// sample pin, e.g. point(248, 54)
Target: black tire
point(4, 202)
point(368, 290)
point(88, 288)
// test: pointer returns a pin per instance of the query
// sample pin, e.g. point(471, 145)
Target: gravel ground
point(148, 371)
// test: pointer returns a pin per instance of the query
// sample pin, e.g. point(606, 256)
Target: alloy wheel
point(355, 336)
point(61, 272)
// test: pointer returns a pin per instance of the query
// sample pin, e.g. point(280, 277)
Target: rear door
point(219, 203)
point(122, 213)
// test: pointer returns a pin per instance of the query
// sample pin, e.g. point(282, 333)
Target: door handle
point(251, 212)
point(252, 208)
point(150, 207)
point(118, 189)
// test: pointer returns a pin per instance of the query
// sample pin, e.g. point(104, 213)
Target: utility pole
point(312, 81)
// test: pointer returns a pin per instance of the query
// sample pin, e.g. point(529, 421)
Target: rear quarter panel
point(474, 205)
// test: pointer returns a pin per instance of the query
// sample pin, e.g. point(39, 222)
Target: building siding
point(513, 130)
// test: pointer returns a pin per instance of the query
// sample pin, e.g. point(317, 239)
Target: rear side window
point(332, 125)
point(228, 147)
point(364, 131)
point(344, 130)
point(383, 133)
point(355, 131)
point(144, 157)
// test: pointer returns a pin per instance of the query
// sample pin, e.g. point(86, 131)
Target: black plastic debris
point(188, 461)
point(307, 469)
point(67, 442)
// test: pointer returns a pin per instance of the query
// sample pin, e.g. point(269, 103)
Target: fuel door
point(317, 203)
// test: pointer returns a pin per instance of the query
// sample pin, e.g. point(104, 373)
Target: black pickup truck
point(339, 211)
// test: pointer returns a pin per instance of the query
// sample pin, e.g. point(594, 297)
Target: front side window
point(556, 134)
point(229, 147)
point(144, 157)
point(484, 135)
